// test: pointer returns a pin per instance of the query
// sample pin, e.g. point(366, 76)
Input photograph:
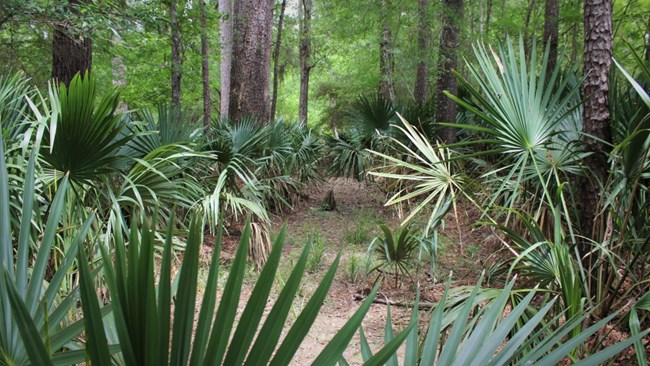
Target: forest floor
point(462, 254)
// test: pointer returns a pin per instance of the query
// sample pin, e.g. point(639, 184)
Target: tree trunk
point(596, 116)
point(488, 16)
point(253, 28)
point(528, 33)
point(225, 30)
point(551, 32)
point(446, 81)
point(276, 59)
point(421, 90)
point(386, 88)
point(305, 59)
point(205, 68)
point(176, 54)
point(573, 56)
point(481, 25)
point(72, 51)
point(118, 71)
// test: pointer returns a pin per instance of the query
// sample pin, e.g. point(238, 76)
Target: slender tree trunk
point(72, 51)
point(305, 59)
point(596, 116)
point(276, 59)
point(647, 45)
point(488, 17)
point(253, 28)
point(528, 33)
point(421, 90)
point(225, 30)
point(446, 81)
point(176, 54)
point(386, 88)
point(551, 30)
point(481, 25)
point(205, 67)
point(573, 57)
point(118, 71)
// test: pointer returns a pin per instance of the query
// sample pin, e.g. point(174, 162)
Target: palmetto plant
point(142, 311)
point(31, 301)
point(349, 156)
point(171, 127)
point(471, 329)
point(85, 138)
point(370, 114)
point(395, 252)
point(423, 170)
point(527, 116)
point(13, 105)
point(34, 327)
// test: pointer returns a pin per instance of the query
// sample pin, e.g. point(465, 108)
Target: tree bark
point(527, 30)
point(446, 81)
point(72, 51)
point(573, 56)
point(386, 88)
point(176, 54)
point(596, 115)
point(205, 67)
point(253, 28)
point(276, 59)
point(225, 30)
point(118, 72)
point(488, 17)
point(551, 30)
point(305, 59)
point(421, 89)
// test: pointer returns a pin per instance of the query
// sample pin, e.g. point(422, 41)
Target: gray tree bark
point(446, 81)
point(305, 59)
point(386, 88)
point(176, 54)
point(421, 89)
point(118, 72)
point(253, 28)
point(276, 59)
point(205, 67)
point(225, 33)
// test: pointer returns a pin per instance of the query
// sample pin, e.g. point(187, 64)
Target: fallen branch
point(384, 300)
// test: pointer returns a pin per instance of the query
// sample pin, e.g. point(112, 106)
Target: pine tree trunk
point(176, 54)
point(253, 28)
point(225, 31)
point(421, 90)
point(72, 51)
point(551, 31)
point(205, 68)
point(446, 81)
point(596, 116)
point(276, 59)
point(386, 88)
point(305, 59)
